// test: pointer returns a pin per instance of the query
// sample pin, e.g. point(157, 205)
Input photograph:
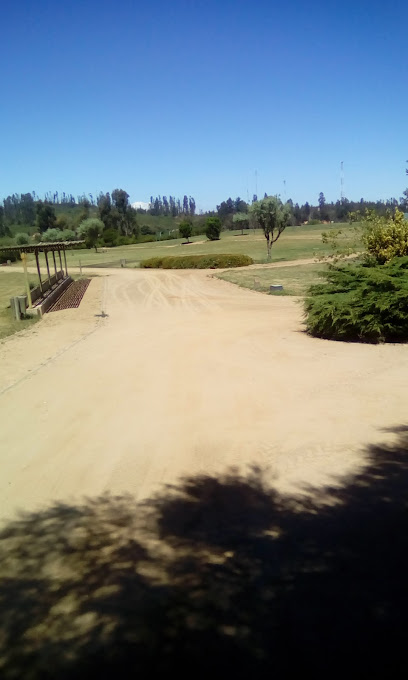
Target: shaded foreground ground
point(216, 575)
point(293, 561)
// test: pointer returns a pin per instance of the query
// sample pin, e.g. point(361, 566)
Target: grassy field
point(295, 243)
point(295, 280)
point(12, 283)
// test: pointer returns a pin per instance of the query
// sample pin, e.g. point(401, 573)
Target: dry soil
point(186, 374)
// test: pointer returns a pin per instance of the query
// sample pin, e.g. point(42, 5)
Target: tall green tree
point(27, 209)
point(3, 228)
point(297, 214)
point(241, 221)
point(240, 205)
point(128, 224)
point(105, 209)
point(323, 211)
point(84, 214)
point(120, 199)
point(46, 218)
point(226, 208)
point(272, 217)
point(322, 200)
point(91, 230)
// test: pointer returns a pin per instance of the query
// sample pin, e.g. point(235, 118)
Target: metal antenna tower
point(341, 182)
point(256, 182)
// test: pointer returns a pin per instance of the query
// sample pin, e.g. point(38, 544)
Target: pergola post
point(55, 265)
point(24, 259)
point(39, 270)
point(59, 253)
point(65, 258)
point(48, 266)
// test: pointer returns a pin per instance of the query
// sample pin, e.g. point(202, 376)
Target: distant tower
point(341, 182)
point(284, 189)
point(256, 182)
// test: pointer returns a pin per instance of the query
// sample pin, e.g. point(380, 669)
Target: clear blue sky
point(193, 96)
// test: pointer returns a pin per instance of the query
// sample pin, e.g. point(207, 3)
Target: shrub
point(22, 239)
point(361, 304)
point(222, 261)
point(68, 235)
point(185, 229)
point(63, 223)
point(213, 228)
point(125, 240)
point(145, 239)
point(385, 237)
point(110, 237)
point(145, 230)
point(51, 236)
point(5, 257)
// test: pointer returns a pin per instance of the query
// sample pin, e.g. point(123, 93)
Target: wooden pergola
point(59, 247)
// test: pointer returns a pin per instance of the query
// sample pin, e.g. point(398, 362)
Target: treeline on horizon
point(120, 219)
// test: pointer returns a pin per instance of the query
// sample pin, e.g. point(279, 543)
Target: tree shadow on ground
point(220, 576)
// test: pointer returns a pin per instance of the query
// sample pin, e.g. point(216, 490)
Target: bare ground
point(187, 374)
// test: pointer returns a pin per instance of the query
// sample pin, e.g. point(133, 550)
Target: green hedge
point(361, 304)
point(197, 262)
point(12, 256)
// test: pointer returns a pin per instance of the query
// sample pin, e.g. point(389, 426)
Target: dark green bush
point(12, 256)
point(213, 228)
point(145, 239)
point(124, 240)
point(110, 237)
point(186, 229)
point(197, 262)
point(145, 230)
point(361, 304)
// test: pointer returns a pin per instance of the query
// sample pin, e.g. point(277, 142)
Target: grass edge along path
point(295, 280)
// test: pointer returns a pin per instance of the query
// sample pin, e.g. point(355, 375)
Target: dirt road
point(186, 374)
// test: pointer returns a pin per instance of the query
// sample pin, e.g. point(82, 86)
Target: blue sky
point(194, 96)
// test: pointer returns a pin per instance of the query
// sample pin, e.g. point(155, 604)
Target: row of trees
point(119, 218)
point(212, 228)
point(116, 212)
point(321, 212)
point(172, 206)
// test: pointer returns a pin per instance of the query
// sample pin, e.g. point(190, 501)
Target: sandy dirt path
point(187, 374)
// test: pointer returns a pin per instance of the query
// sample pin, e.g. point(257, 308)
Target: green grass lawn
point(295, 280)
point(295, 243)
point(11, 284)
